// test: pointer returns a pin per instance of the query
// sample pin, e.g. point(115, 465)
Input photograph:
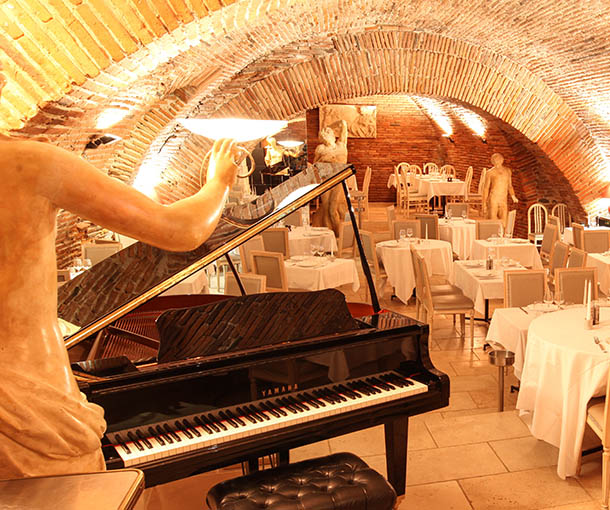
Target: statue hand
point(515, 199)
point(222, 167)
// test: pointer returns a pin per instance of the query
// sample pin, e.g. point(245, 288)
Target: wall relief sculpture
point(361, 120)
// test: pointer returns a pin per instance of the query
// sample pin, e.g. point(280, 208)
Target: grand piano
point(193, 383)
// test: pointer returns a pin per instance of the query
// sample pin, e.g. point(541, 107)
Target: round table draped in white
point(318, 273)
point(300, 240)
point(397, 261)
point(563, 369)
point(460, 233)
point(520, 250)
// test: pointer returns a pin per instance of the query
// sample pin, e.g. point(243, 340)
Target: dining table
point(565, 366)
point(460, 232)
point(568, 233)
point(602, 262)
point(398, 263)
point(437, 185)
point(197, 283)
point(317, 273)
point(520, 250)
point(301, 239)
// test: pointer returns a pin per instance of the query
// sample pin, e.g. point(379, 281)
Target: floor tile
point(473, 382)
point(591, 475)
point(587, 505)
point(310, 451)
point(435, 496)
point(525, 453)
point(531, 489)
point(451, 463)
point(365, 442)
point(478, 367)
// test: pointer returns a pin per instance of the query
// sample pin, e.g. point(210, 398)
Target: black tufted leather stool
point(337, 482)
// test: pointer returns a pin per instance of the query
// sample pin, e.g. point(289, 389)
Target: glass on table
point(401, 235)
point(409, 233)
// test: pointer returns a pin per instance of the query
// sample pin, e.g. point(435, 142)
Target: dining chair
point(448, 170)
point(428, 225)
point(276, 240)
point(596, 241)
point(549, 237)
point(370, 252)
point(562, 212)
point(430, 168)
point(416, 169)
point(399, 170)
point(487, 228)
point(390, 213)
point(294, 218)
point(570, 284)
point(598, 418)
point(453, 304)
point(537, 215)
point(271, 265)
point(414, 199)
point(558, 259)
point(577, 258)
point(346, 241)
point(554, 220)
point(510, 223)
point(578, 231)
point(255, 243)
point(475, 200)
point(523, 287)
point(253, 284)
point(467, 183)
point(457, 209)
point(399, 225)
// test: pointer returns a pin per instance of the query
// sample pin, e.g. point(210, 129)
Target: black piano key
point(169, 430)
point(320, 394)
point(348, 391)
point(247, 415)
point(359, 387)
point(142, 438)
point(299, 404)
point(309, 400)
point(210, 423)
point(119, 440)
point(158, 438)
point(162, 433)
point(181, 428)
point(218, 422)
point(275, 412)
point(226, 418)
point(135, 441)
point(314, 399)
point(371, 387)
point(344, 392)
point(384, 385)
point(191, 427)
point(236, 418)
point(392, 379)
point(337, 396)
point(258, 412)
point(288, 405)
point(200, 422)
point(378, 384)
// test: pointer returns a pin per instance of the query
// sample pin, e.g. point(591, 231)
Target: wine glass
point(409, 233)
point(313, 249)
point(548, 297)
point(464, 214)
point(402, 235)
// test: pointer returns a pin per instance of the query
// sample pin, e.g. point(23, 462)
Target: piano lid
point(138, 273)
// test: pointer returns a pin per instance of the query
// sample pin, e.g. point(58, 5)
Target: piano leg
point(396, 435)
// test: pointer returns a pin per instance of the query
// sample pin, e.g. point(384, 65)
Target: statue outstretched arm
point(71, 183)
point(343, 135)
point(511, 191)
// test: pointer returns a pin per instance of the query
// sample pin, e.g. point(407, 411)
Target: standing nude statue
point(46, 425)
point(332, 203)
point(498, 185)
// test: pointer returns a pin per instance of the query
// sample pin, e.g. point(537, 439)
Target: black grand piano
point(193, 383)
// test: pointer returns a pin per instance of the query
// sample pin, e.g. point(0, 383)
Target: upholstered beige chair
point(453, 304)
point(428, 224)
point(570, 283)
point(475, 200)
point(276, 240)
point(563, 214)
point(256, 243)
point(596, 241)
point(457, 208)
point(577, 258)
point(413, 199)
point(537, 215)
point(549, 237)
point(578, 231)
point(390, 213)
point(487, 228)
point(558, 259)
point(370, 251)
point(346, 244)
point(598, 418)
point(554, 220)
point(524, 287)
point(399, 225)
point(253, 284)
point(270, 264)
point(399, 170)
point(294, 218)
point(510, 223)
point(364, 194)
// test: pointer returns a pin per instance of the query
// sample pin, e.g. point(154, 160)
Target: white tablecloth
point(477, 283)
point(509, 327)
point(197, 283)
point(396, 258)
point(568, 234)
point(323, 275)
point(602, 263)
point(460, 234)
point(520, 250)
point(301, 239)
point(435, 187)
point(563, 369)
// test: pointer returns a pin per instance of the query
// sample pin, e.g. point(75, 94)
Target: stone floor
point(462, 457)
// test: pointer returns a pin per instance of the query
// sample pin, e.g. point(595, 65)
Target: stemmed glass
point(464, 214)
point(402, 236)
point(409, 233)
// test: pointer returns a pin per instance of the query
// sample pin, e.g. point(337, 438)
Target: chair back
point(63, 275)
point(537, 215)
point(428, 225)
point(510, 223)
point(579, 235)
point(403, 167)
point(523, 287)
point(416, 169)
point(570, 283)
point(430, 168)
point(98, 252)
point(367, 181)
point(482, 181)
point(390, 213)
point(276, 240)
point(468, 182)
point(424, 290)
point(346, 238)
point(270, 264)
point(559, 256)
point(370, 251)
point(549, 237)
point(457, 209)
point(487, 228)
point(596, 241)
point(399, 225)
point(253, 283)
point(561, 211)
point(554, 220)
point(448, 170)
point(577, 258)
point(245, 249)
point(294, 218)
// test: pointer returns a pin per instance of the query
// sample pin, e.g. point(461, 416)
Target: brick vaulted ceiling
point(541, 66)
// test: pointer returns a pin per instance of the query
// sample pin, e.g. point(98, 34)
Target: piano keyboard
point(166, 439)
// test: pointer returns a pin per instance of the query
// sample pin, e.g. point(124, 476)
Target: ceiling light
point(110, 117)
point(240, 130)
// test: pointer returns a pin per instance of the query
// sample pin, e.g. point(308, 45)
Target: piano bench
point(341, 481)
